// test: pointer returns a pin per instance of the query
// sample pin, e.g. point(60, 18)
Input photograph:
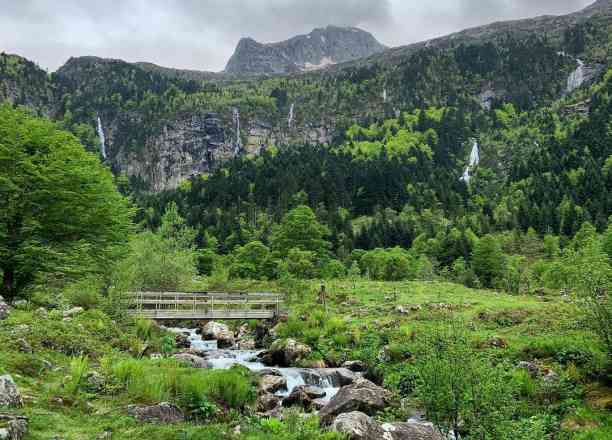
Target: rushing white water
point(224, 359)
point(384, 95)
point(102, 138)
point(577, 78)
point(291, 115)
point(474, 161)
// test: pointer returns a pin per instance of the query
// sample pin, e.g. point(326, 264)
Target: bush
point(85, 293)
point(333, 269)
point(206, 261)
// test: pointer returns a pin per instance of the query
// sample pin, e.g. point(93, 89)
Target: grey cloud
point(201, 34)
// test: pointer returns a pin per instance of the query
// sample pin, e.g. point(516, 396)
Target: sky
point(202, 34)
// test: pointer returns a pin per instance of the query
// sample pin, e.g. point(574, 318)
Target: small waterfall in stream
point(577, 78)
point(102, 138)
point(474, 161)
point(224, 359)
point(291, 115)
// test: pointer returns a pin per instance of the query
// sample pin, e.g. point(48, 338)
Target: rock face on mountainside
point(320, 48)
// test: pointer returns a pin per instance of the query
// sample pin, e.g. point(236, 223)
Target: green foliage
point(392, 264)
point(61, 217)
point(300, 229)
point(488, 260)
point(85, 293)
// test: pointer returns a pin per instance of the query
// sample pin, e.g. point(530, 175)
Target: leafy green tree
point(487, 259)
point(301, 230)
point(300, 264)
point(60, 213)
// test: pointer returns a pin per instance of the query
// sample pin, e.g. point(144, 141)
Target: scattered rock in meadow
point(497, 342)
point(164, 413)
point(362, 395)
point(401, 310)
point(24, 346)
point(192, 360)
point(356, 366)
point(272, 384)
point(4, 309)
point(9, 393)
point(219, 332)
point(13, 427)
point(96, 383)
point(73, 312)
point(532, 368)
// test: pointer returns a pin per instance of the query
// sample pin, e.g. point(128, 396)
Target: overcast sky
point(202, 34)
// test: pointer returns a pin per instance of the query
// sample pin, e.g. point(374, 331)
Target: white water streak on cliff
point(102, 138)
point(474, 161)
point(576, 79)
point(291, 115)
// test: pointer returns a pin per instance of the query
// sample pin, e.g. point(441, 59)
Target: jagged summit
point(320, 48)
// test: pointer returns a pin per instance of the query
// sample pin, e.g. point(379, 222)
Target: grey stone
point(272, 384)
point(362, 395)
point(9, 393)
point(193, 360)
point(13, 427)
point(163, 413)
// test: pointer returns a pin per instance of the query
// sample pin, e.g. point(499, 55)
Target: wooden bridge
point(204, 305)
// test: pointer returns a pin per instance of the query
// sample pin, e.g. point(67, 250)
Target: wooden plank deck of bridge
point(204, 305)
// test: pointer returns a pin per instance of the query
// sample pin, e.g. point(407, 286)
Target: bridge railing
point(204, 305)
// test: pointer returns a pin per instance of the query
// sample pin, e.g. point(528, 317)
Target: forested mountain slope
point(161, 126)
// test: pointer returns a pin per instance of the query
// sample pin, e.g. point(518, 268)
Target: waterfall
point(576, 79)
point(102, 138)
point(384, 95)
point(236, 117)
point(291, 115)
point(474, 161)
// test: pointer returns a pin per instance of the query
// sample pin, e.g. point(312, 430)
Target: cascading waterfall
point(102, 138)
point(577, 77)
point(384, 95)
point(474, 161)
point(224, 359)
point(291, 115)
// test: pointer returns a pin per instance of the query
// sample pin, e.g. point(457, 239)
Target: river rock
point(411, 430)
point(298, 397)
point(357, 426)
point(267, 402)
point(357, 366)
point(13, 427)
point(193, 360)
point(268, 372)
point(161, 413)
point(362, 395)
point(181, 340)
point(285, 352)
point(272, 384)
point(220, 332)
point(338, 377)
point(315, 392)
point(4, 309)
point(9, 393)
point(246, 344)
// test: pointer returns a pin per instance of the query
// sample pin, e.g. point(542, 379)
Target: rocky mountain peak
point(320, 48)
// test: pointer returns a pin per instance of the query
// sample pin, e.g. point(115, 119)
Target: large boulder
point(219, 332)
point(362, 395)
point(161, 413)
point(298, 397)
point(286, 352)
point(272, 383)
point(4, 309)
point(192, 360)
point(357, 426)
point(9, 393)
point(356, 366)
point(267, 402)
point(13, 427)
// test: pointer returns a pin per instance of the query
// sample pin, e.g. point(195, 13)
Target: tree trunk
point(8, 281)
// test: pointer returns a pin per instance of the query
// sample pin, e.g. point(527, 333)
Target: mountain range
point(160, 125)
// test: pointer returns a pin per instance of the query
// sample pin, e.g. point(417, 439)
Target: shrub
point(85, 292)
point(144, 328)
point(333, 269)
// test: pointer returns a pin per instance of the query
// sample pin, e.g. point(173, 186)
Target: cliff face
point(320, 48)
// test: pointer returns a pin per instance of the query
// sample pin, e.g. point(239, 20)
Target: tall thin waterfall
point(384, 95)
point(102, 138)
point(576, 79)
point(291, 115)
point(236, 117)
point(474, 161)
